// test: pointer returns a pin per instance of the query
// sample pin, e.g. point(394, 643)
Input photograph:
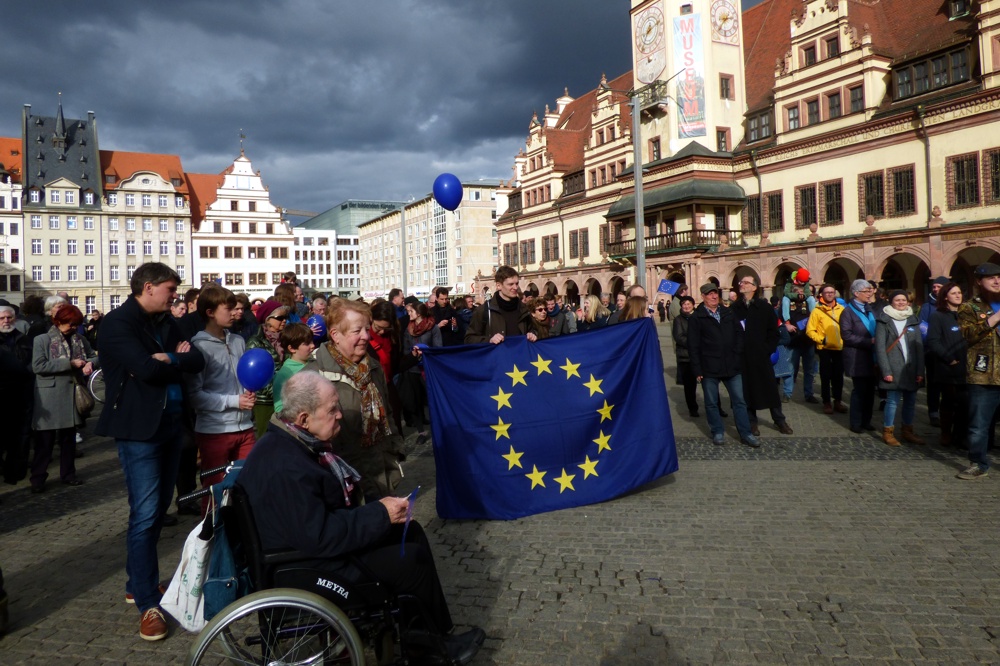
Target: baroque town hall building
point(856, 138)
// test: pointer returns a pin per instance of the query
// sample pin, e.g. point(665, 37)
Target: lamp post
point(655, 90)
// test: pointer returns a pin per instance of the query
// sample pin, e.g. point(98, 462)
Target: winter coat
point(15, 366)
point(449, 337)
point(890, 362)
point(824, 326)
point(488, 320)
point(760, 340)
point(563, 323)
point(946, 344)
point(599, 322)
point(138, 387)
point(859, 355)
point(716, 347)
point(679, 331)
point(373, 462)
point(215, 392)
point(55, 382)
point(981, 367)
point(432, 337)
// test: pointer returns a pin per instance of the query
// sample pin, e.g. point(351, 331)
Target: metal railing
point(681, 240)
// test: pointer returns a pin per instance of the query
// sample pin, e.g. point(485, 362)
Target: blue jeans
point(807, 355)
point(150, 474)
point(710, 389)
point(892, 401)
point(983, 402)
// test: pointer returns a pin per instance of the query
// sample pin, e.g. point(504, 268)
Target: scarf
point(346, 475)
point(59, 347)
point(418, 328)
point(374, 421)
point(898, 315)
point(272, 337)
point(867, 318)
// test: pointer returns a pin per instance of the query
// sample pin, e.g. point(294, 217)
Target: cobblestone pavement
point(821, 547)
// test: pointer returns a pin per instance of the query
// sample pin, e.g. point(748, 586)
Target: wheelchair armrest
point(284, 556)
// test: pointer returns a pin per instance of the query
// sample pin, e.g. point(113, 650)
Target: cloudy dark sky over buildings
point(338, 99)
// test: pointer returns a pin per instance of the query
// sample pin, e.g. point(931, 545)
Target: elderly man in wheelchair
point(312, 540)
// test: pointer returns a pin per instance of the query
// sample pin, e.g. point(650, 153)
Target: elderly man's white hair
point(302, 393)
point(53, 301)
point(7, 308)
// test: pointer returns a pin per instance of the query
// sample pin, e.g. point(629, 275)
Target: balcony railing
point(681, 240)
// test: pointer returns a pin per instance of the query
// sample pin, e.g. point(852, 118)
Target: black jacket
point(760, 340)
point(136, 383)
point(680, 334)
point(488, 320)
point(946, 344)
point(716, 347)
point(449, 338)
point(298, 503)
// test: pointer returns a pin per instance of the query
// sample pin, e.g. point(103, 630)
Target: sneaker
point(718, 440)
point(129, 599)
point(153, 626)
point(973, 473)
point(812, 400)
point(751, 441)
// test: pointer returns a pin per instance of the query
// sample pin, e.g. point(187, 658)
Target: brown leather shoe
point(785, 429)
point(153, 626)
point(889, 437)
point(827, 408)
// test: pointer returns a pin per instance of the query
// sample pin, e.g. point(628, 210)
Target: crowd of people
point(875, 337)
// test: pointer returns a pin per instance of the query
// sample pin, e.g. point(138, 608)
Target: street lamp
point(654, 91)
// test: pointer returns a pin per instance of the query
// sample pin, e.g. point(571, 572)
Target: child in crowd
point(223, 429)
point(297, 341)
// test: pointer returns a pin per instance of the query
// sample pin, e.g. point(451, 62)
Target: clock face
point(725, 19)
point(649, 30)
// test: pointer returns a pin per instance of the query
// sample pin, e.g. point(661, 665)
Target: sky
point(338, 99)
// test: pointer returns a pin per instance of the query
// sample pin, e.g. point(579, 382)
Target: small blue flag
point(527, 427)
point(668, 287)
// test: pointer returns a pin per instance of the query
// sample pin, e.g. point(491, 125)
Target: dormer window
point(34, 196)
point(958, 8)
point(942, 70)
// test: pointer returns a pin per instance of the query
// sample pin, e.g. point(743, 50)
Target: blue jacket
point(136, 384)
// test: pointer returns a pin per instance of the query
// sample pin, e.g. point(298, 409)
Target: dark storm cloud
point(338, 99)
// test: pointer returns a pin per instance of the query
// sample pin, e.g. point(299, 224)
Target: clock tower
point(696, 46)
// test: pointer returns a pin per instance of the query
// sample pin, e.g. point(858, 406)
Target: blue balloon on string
point(255, 369)
point(312, 323)
point(774, 357)
point(448, 191)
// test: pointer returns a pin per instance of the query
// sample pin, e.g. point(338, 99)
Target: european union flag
point(527, 427)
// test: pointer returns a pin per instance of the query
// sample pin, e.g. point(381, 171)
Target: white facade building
point(238, 236)
point(327, 262)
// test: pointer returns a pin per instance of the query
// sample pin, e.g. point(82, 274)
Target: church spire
point(59, 137)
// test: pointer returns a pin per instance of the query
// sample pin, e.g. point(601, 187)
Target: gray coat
point(55, 378)
point(904, 373)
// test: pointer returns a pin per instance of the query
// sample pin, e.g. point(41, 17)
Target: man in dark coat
point(501, 316)
point(760, 335)
point(145, 360)
point(445, 318)
point(715, 343)
point(857, 328)
point(15, 397)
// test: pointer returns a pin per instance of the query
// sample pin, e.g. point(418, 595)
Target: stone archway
point(841, 272)
point(616, 286)
point(571, 293)
point(550, 288)
point(592, 287)
point(532, 289)
point(965, 263)
point(906, 271)
point(783, 274)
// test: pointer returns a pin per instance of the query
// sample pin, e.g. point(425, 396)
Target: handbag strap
point(896, 341)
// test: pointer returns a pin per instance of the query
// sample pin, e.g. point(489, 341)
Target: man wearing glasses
point(857, 328)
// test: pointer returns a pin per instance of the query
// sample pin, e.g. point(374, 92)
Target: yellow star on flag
point(589, 467)
point(594, 385)
point(605, 411)
point(503, 399)
point(501, 428)
point(602, 442)
point(542, 365)
point(571, 369)
point(536, 477)
point(565, 481)
point(517, 376)
point(514, 458)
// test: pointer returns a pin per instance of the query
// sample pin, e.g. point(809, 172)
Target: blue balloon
point(255, 369)
point(317, 320)
point(923, 330)
point(448, 191)
point(774, 358)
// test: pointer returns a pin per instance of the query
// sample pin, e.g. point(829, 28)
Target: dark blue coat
point(859, 355)
point(715, 347)
point(946, 344)
point(136, 383)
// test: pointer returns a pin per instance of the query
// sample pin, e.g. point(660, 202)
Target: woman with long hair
point(948, 352)
point(60, 359)
point(899, 353)
point(595, 315)
point(635, 308)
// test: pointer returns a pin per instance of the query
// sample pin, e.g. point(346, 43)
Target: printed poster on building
point(689, 52)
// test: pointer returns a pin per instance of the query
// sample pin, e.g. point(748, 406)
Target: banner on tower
point(689, 51)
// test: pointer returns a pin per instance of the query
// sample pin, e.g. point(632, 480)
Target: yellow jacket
point(824, 326)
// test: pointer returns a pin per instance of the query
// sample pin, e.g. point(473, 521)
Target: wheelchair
point(302, 616)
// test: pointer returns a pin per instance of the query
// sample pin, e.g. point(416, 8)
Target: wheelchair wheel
point(96, 385)
point(280, 626)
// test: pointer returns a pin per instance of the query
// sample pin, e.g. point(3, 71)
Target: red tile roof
point(900, 29)
point(203, 188)
point(10, 157)
point(124, 165)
